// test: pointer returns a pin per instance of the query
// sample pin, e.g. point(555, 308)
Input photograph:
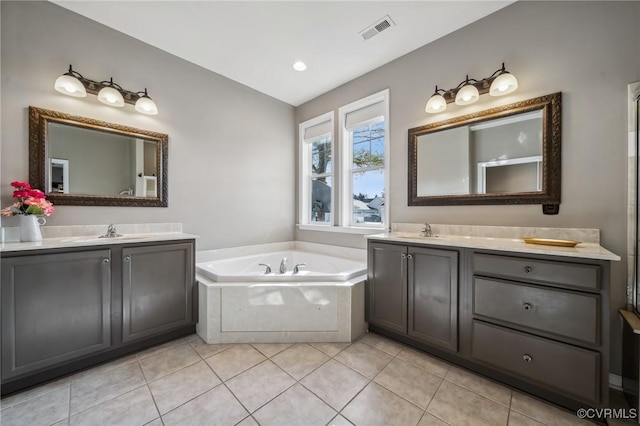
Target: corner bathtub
point(240, 303)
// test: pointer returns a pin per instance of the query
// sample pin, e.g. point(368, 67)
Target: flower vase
point(30, 227)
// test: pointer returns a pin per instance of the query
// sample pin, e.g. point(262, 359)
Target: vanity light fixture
point(500, 83)
point(72, 83)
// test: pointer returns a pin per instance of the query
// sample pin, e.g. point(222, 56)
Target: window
point(364, 171)
point(359, 202)
point(316, 171)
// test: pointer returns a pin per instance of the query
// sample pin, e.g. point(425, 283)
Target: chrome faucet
point(426, 231)
point(111, 232)
point(296, 268)
point(267, 268)
point(283, 266)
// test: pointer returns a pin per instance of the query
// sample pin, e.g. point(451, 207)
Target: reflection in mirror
point(87, 162)
point(506, 155)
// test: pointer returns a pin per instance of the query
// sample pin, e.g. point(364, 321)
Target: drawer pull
point(527, 306)
point(105, 261)
point(527, 358)
point(528, 269)
point(127, 258)
point(409, 256)
point(403, 256)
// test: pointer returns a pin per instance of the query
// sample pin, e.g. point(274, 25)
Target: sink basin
point(91, 239)
point(411, 235)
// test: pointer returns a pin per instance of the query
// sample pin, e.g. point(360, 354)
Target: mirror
point(82, 161)
point(505, 155)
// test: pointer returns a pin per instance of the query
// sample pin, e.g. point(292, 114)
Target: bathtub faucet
point(267, 268)
point(283, 266)
point(296, 269)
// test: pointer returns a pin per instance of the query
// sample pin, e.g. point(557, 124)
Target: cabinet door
point(433, 296)
point(157, 289)
point(55, 307)
point(387, 286)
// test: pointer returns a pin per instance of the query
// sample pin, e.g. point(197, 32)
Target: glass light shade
point(503, 84)
point(467, 95)
point(145, 105)
point(436, 103)
point(69, 85)
point(111, 97)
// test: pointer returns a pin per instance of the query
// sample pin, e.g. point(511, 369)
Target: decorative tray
point(551, 242)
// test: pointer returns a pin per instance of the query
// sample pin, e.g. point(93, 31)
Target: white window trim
point(346, 184)
point(304, 181)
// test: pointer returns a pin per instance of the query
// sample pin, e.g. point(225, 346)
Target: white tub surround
point(55, 237)
point(502, 238)
point(324, 305)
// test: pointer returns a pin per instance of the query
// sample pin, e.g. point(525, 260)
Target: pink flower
point(35, 193)
point(21, 193)
point(9, 211)
point(42, 204)
point(20, 185)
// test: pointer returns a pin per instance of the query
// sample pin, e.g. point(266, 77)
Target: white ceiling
point(257, 42)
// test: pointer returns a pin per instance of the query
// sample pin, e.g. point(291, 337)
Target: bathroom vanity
point(69, 303)
point(534, 317)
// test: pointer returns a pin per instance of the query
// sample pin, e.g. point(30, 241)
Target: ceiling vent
point(375, 29)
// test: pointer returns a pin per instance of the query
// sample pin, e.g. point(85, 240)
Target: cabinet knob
point(527, 306)
point(105, 261)
point(403, 256)
point(409, 256)
point(528, 269)
point(527, 358)
point(127, 258)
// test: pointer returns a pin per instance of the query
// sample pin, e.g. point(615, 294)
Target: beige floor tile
point(205, 350)
point(260, 384)
point(335, 383)
point(215, 407)
point(480, 385)
point(234, 361)
point(459, 406)
point(383, 343)
point(431, 420)
point(339, 421)
point(296, 406)
point(545, 413)
point(17, 398)
point(424, 361)
point(410, 382)
point(166, 362)
point(133, 408)
point(44, 409)
point(271, 349)
point(331, 349)
point(96, 389)
point(517, 419)
point(160, 348)
point(376, 406)
point(102, 368)
point(177, 388)
point(249, 421)
point(300, 360)
point(365, 359)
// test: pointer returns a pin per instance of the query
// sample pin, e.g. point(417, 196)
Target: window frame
point(306, 174)
point(346, 165)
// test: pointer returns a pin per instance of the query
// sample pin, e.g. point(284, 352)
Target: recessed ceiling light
point(299, 66)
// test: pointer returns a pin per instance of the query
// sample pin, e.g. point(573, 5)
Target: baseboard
point(615, 381)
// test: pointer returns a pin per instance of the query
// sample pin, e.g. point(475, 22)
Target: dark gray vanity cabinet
point(55, 307)
point(157, 287)
point(414, 291)
point(64, 309)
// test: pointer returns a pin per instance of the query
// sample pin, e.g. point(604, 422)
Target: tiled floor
point(374, 381)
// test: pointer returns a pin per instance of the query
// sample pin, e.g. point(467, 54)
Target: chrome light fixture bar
point(72, 83)
point(500, 83)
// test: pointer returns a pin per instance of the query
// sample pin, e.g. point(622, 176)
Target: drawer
point(543, 271)
point(563, 313)
point(563, 367)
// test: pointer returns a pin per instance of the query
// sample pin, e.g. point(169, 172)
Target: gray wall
point(231, 149)
point(587, 50)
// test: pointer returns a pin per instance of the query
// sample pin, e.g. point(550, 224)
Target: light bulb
point(468, 94)
point(70, 85)
point(436, 103)
point(145, 105)
point(110, 96)
point(299, 66)
point(504, 84)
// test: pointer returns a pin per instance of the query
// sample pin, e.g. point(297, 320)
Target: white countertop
point(582, 250)
point(88, 241)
